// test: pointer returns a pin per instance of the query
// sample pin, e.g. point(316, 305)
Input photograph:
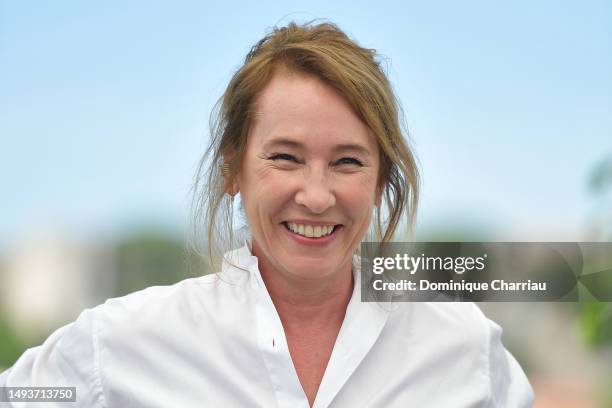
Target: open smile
point(308, 233)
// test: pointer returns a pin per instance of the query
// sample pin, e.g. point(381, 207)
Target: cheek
point(264, 188)
point(271, 183)
point(251, 179)
point(358, 197)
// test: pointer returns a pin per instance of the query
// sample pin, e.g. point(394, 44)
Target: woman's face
point(308, 178)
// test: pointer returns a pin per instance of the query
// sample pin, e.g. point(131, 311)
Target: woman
point(308, 136)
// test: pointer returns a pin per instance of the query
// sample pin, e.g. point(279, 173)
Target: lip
point(313, 242)
point(307, 222)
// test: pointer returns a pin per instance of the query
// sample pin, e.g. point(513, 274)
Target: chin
point(309, 269)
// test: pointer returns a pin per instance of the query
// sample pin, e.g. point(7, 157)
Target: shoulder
point(156, 338)
point(164, 309)
point(458, 338)
point(153, 298)
point(193, 295)
point(178, 313)
point(446, 330)
point(449, 328)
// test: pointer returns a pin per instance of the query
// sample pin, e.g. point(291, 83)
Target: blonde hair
point(327, 52)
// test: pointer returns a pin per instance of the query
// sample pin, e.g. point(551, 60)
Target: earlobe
point(233, 189)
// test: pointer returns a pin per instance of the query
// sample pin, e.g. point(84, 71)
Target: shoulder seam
point(96, 349)
point(487, 361)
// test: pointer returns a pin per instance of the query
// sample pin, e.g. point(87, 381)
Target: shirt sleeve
point(68, 358)
point(508, 383)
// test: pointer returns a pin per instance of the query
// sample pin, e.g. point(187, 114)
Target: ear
point(234, 188)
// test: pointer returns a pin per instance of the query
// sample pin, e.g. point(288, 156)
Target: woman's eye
point(350, 160)
point(282, 156)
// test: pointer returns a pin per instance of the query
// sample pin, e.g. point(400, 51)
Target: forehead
point(302, 107)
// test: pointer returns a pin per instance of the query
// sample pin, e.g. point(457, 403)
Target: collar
point(362, 325)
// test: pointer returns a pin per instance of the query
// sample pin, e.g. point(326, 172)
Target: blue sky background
point(104, 106)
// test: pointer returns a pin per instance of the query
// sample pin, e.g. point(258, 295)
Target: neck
point(304, 303)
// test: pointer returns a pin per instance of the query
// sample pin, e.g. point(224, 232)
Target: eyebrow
point(345, 147)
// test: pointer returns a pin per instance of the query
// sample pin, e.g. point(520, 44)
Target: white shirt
point(217, 341)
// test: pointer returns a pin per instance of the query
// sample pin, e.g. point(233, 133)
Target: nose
point(316, 193)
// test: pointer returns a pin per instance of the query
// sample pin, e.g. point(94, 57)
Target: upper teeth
point(311, 231)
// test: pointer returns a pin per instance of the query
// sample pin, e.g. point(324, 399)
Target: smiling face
point(308, 178)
